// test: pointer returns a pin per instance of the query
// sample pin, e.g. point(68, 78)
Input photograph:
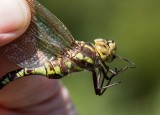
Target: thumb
point(14, 19)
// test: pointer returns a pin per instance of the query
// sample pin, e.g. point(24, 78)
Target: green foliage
point(135, 26)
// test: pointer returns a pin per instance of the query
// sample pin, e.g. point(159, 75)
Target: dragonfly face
point(106, 49)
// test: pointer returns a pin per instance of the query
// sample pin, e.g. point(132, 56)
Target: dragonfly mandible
point(47, 48)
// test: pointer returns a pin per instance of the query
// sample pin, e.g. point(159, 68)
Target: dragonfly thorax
point(106, 49)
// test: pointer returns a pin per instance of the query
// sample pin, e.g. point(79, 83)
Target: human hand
point(28, 95)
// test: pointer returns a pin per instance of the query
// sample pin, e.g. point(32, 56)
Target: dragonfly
point(47, 48)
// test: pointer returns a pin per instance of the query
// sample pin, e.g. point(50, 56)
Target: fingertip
point(15, 18)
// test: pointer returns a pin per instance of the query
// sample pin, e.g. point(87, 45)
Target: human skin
point(29, 95)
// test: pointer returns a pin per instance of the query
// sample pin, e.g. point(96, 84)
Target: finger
point(36, 95)
point(14, 19)
point(23, 90)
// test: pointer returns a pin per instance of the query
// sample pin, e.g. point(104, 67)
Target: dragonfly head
point(106, 49)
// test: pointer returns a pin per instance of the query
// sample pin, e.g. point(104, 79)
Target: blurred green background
point(135, 26)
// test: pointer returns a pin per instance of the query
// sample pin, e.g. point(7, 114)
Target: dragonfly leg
point(113, 74)
point(99, 78)
point(97, 83)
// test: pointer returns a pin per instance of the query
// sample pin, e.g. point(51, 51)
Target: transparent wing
point(46, 38)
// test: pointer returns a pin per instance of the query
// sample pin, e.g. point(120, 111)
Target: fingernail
point(14, 16)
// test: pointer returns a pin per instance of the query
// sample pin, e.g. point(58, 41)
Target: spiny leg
point(99, 80)
point(95, 81)
point(102, 79)
point(105, 78)
point(113, 74)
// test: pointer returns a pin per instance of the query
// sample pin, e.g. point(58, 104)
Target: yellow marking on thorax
point(89, 60)
point(89, 47)
point(74, 67)
point(102, 55)
point(79, 56)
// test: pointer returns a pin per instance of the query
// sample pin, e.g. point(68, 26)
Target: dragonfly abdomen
point(73, 61)
point(53, 70)
point(49, 70)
